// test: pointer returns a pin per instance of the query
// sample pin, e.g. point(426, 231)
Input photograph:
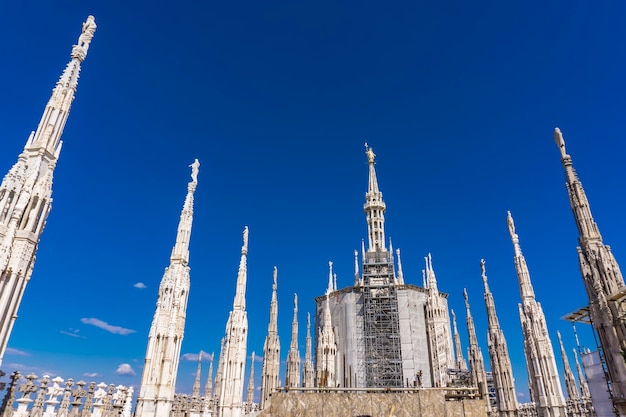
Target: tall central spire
point(374, 208)
point(158, 380)
point(26, 190)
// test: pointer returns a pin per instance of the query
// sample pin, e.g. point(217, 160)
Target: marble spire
point(570, 381)
point(501, 369)
point(374, 208)
point(582, 381)
point(438, 329)
point(475, 355)
point(357, 278)
point(207, 401)
point(158, 380)
point(196, 384)
point(603, 281)
point(308, 377)
point(293, 357)
point(271, 351)
point(400, 273)
point(326, 355)
point(219, 373)
point(208, 387)
point(231, 389)
point(460, 360)
point(250, 392)
point(26, 190)
point(330, 287)
point(543, 376)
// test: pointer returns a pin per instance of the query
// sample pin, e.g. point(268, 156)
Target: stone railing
point(59, 398)
point(189, 406)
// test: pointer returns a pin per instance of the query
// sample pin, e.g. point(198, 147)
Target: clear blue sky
point(458, 99)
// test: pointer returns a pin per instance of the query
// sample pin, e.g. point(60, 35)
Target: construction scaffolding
point(381, 329)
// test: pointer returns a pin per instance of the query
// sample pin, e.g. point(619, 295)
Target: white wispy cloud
point(194, 356)
point(140, 285)
point(17, 352)
point(72, 332)
point(106, 326)
point(125, 369)
point(91, 374)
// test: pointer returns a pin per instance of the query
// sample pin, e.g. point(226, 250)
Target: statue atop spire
point(79, 51)
point(195, 167)
point(560, 142)
point(370, 154)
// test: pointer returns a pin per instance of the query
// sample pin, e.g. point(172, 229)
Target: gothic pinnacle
point(51, 126)
point(330, 277)
point(400, 273)
point(26, 190)
point(240, 295)
point(374, 208)
point(180, 252)
point(357, 279)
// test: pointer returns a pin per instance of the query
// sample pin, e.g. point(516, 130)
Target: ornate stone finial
point(194, 170)
point(465, 297)
point(370, 154)
point(482, 269)
point(308, 320)
point(453, 316)
point(558, 139)
point(295, 304)
point(79, 51)
point(244, 248)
